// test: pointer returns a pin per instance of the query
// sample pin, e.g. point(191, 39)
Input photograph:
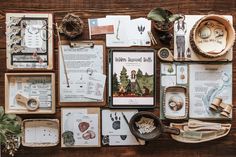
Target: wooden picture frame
point(18, 83)
point(64, 75)
point(29, 41)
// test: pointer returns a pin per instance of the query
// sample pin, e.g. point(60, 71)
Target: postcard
point(133, 78)
point(100, 26)
point(120, 36)
point(128, 32)
point(115, 130)
point(80, 127)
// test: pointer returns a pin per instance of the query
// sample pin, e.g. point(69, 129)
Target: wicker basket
point(37, 123)
point(204, 36)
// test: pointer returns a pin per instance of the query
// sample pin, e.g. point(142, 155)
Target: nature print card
point(208, 82)
point(80, 127)
point(115, 129)
point(128, 32)
point(133, 78)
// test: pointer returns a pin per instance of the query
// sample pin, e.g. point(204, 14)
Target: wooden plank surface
point(136, 8)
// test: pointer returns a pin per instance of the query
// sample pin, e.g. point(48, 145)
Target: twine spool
point(194, 34)
point(71, 26)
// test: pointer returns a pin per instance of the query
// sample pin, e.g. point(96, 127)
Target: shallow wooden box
point(51, 109)
point(49, 123)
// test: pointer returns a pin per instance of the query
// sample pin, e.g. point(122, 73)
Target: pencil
point(126, 120)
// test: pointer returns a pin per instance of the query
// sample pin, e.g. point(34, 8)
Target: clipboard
point(80, 46)
point(76, 111)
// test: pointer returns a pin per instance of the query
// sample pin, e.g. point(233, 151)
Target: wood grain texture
point(136, 8)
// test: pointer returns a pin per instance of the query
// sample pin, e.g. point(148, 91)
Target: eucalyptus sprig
point(10, 131)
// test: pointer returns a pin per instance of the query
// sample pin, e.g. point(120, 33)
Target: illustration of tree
point(128, 87)
point(139, 73)
point(124, 77)
point(115, 83)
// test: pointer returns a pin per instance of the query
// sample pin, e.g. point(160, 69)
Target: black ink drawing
point(116, 121)
point(117, 31)
point(188, 53)
point(180, 37)
point(141, 29)
point(123, 137)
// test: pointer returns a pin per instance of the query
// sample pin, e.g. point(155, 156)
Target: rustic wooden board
point(164, 146)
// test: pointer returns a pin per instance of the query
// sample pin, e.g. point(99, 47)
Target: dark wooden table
point(136, 8)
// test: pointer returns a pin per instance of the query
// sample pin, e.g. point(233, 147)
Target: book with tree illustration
point(132, 78)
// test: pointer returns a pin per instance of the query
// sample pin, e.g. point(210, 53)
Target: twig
point(62, 56)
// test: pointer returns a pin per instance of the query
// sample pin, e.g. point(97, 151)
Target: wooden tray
point(176, 90)
point(40, 127)
point(23, 110)
point(206, 136)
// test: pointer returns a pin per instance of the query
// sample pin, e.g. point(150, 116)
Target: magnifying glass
point(31, 104)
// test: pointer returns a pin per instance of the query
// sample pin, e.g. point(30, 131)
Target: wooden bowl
point(146, 136)
point(208, 39)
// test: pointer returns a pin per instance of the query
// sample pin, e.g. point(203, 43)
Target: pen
point(126, 120)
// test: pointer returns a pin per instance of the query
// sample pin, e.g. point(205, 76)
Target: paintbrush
point(126, 120)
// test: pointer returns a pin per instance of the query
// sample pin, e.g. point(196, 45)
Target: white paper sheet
point(206, 83)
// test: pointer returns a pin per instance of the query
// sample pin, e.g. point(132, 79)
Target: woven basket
point(194, 36)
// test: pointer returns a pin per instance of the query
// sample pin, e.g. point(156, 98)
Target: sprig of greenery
point(10, 131)
point(163, 17)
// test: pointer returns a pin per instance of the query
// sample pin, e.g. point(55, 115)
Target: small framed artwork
point(30, 93)
point(80, 127)
point(132, 80)
point(47, 131)
point(29, 41)
point(175, 102)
